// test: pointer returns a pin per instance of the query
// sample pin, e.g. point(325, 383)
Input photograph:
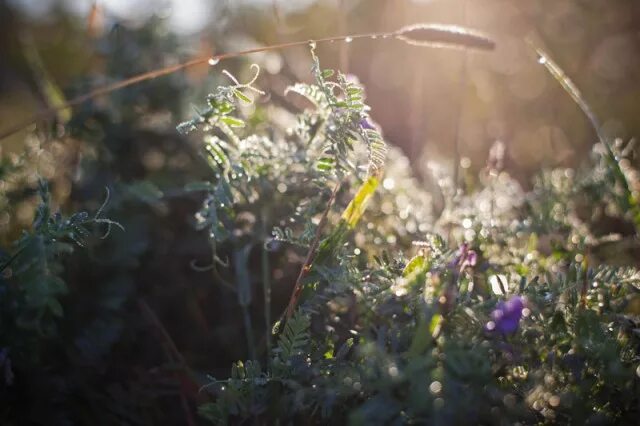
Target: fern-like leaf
point(294, 338)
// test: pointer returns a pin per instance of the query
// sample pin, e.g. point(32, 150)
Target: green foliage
point(34, 268)
point(68, 315)
point(294, 339)
point(402, 312)
point(399, 337)
point(32, 287)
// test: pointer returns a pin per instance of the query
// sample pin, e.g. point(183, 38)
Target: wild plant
point(505, 306)
point(502, 327)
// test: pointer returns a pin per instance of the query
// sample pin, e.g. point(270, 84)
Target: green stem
point(246, 316)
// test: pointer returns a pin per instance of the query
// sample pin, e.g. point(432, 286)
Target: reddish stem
point(306, 267)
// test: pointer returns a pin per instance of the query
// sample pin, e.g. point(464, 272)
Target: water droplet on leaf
point(213, 61)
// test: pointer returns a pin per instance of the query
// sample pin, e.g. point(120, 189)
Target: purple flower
point(505, 318)
point(366, 124)
point(464, 258)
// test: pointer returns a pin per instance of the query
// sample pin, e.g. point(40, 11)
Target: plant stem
point(246, 316)
point(306, 267)
point(214, 59)
point(266, 287)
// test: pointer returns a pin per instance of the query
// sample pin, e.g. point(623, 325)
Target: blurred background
point(425, 99)
point(142, 313)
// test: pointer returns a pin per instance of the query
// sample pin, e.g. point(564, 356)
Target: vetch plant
point(507, 306)
point(379, 338)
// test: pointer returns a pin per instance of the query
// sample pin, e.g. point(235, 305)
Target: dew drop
point(542, 60)
point(213, 61)
point(373, 37)
point(348, 39)
point(393, 371)
point(312, 44)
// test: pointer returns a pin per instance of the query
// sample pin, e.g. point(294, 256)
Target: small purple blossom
point(506, 317)
point(464, 258)
point(366, 124)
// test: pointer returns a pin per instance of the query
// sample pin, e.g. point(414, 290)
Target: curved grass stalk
point(630, 200)
point(431, 35)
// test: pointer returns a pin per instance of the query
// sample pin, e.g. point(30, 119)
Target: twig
point(266, 286)
point(306, 267)
point(427, 35)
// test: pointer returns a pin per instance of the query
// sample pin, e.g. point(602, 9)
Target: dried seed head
point(440, 35)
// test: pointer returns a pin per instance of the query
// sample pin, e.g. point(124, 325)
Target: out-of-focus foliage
point(436, 99)
point(82, 306)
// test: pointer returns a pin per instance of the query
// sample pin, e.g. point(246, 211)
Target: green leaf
point(244, 98)
point(435, 324)
point(232, 121)
point(294, 337)
point(416, 263)
point(327, 73)
point(358, 204)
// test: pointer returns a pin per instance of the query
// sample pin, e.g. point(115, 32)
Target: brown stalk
point(306, 266)
point(100, 91)
point(422, 34)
